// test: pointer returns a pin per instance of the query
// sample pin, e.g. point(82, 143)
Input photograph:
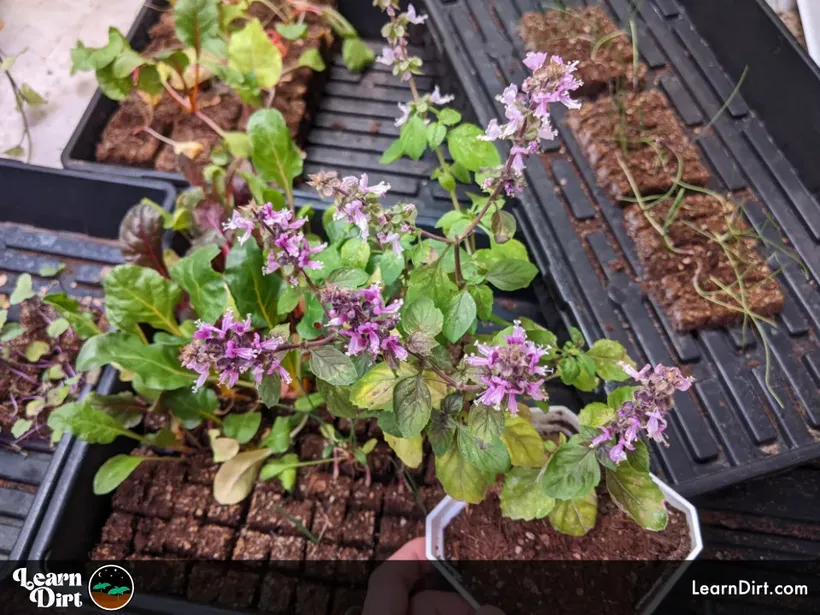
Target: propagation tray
point(729, 428)
point(42, 213)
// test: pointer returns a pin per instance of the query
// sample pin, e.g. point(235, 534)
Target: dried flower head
point(647, 412)
point(230, 350)
point(510, 370)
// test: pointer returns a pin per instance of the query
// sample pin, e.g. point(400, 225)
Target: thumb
point(489, 610)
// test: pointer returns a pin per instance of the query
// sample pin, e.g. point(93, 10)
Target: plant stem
point(186, 105)
point(435, 237)
point(19, 99)
point(210, 123)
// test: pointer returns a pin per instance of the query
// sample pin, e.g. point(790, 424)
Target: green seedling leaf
point(135, 295)
point(251, 51)
point(114, 471)
point(81, 321)
point(57, 327)
point(22, 290)
point(275, 156)
point(356, 54)
point(35, 350)
point(88, 424)
point(312, 58)
point(196, 21)
point(242, 427)
point(51, 270)
point(192, 407)
point(292, 32)
point(20, 428)
point(278, 440)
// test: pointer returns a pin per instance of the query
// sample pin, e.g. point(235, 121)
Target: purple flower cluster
point(528, 116)
point(231, 350)
point(510, 370)
point(396, 53)
point(362, 316)
point(288, 248)
point(652, 402)
point(358, 203)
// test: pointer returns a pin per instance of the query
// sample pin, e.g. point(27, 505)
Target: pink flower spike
point(534, 61)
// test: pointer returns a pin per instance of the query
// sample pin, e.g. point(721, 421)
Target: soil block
point(641, 131)
point(573, 36)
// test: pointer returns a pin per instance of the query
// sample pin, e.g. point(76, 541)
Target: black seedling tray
point(729, 429)
point(48, 217)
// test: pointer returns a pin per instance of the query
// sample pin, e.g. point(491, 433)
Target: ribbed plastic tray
point(48, 217)
point(729, 429)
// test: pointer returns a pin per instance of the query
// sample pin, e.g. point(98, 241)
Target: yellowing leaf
point(523, 443)
point(234, 480)
point(409, 450)
point(251, 51)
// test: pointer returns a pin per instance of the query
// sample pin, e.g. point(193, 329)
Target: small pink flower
point(437, 99)
point(413, 17)
point(238, 223)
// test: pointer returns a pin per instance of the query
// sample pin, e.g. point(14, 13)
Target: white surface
point(448, 509)
point(810, 16)
point(782, 5)
point(49, 29)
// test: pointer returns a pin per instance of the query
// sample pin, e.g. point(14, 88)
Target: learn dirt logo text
point(111, 587)
point(48, 590)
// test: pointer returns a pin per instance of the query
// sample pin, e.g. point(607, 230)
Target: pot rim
point(448, 509)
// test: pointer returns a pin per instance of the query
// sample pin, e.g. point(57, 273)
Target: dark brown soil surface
point(641, 130)
point(123, 141)
point(15, 389)
point(573, 35)
point(480, 532)
point(574, 574)
point(166, 512)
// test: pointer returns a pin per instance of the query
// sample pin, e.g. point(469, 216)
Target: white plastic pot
point(448, 509)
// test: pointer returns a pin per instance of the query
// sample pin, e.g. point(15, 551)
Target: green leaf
point(314, 313)
point(157, 365)
point(436, 133)
point(449, 117)
point(596, 414)
point(511, 274)
point(575, 517)
point(413, 137)
point(254, 292)
point(289, 297)
point(459, 316)
point(388, 424)
point(4, 315)
point(88, 424)
point(22, 290)
point(489, 457)
point(441, 431)
point(284, 469)
point(50, 271)
point(275, 155)
point(409, 450)
point(149, 80)
point(205, 287)
point(250, 51)
point(391, 265)
point(469, 151)
point(485, 422)
point(460, 479)
point(523, 443)
point(15, 151)
point(523, 497)
point(135, 295)
point(607, 354)
point(412, 405)
point(94, 58)
point(293, 31)
point(422, 315)
point(11, 331)
point(20, 428)
point(278, 440)
point(270, 390)
point(483, 297)
point(620, 396)
point(638, 496)
point(238, 144)
point(35, 350)
point(235, 478)
point(192, 407)
point(115, 88)
point(338, 400)
point(196, 21)
point(431, 281)
point(81, 322)
point(572, 471)
point(356, 54)
point(125, 63)
point(333, 366)
point(57, 327)
point(393, 152)
point(242, 427)
point(312, 58)
point(374, 390)
point(114, 471)
point(355, 253)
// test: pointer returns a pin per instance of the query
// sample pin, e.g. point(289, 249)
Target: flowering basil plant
point(239, 343)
